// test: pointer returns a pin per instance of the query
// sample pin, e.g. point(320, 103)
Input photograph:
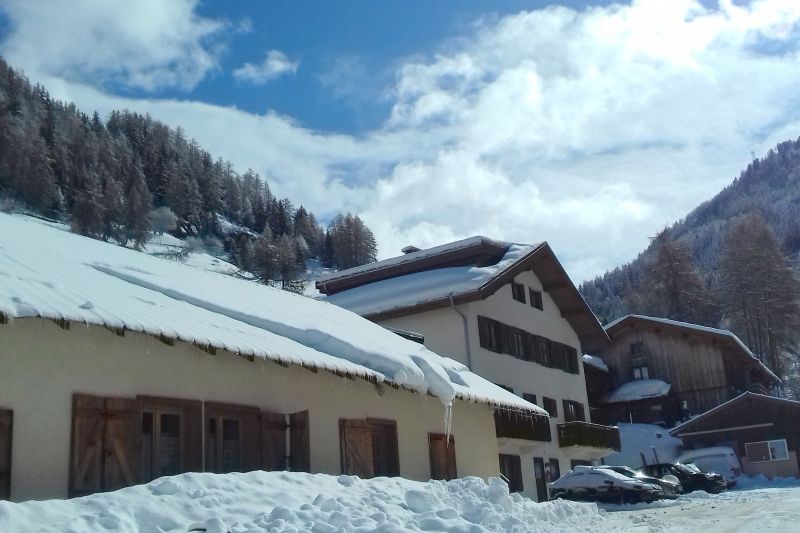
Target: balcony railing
point(524, 426)
point(589, 435)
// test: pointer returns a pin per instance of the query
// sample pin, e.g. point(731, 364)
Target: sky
point(591, 125)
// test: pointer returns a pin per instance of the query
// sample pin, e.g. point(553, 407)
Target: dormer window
point(518, 291)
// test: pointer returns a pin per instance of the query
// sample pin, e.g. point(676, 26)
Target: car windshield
point(687, 469)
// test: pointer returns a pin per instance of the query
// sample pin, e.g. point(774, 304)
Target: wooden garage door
point(6, 426)
point(105, 439)
point(356, 448)
point(443, 456)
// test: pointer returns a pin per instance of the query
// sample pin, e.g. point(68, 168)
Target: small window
point(536, 299)
point(772, 450)
point(639, 369)
point(637, 348)
point(223, 444)
point(518, 291)
point(573, 411)
point(551, 406)
point(161, 444)
point(529, 398)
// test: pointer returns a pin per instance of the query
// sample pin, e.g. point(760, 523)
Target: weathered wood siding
point(693, 365)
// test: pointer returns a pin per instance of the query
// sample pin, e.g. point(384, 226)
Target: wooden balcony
point(522, 426)
point(588, 435)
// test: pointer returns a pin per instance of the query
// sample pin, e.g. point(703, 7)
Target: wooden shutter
point(385, 453)
point(355, 446)
point(6, 431)
point(299, 442)
point(121, 443)
point(273, 441)
point(443, 457)
point(87, 445)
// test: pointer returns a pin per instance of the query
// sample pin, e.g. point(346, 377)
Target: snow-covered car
point(588, 483)
point(719, 459)
point(691, 478)
point(670, 489)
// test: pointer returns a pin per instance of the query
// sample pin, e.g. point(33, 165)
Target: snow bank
point(292, 501)
point(638, 390)
point(420, 287)
point(595, 361)
point(640, 439)
point(762, 482)
point(49, 272)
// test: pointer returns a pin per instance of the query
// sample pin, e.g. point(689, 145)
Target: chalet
point(662, 371)
point(764, 431)
point(117, 368)
point(510, 313)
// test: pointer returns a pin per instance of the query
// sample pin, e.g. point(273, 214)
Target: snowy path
point(756, 510)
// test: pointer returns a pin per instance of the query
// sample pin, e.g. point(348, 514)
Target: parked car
point(719, 459)
point(588, 483)
point(691, 479)
point(669, 489)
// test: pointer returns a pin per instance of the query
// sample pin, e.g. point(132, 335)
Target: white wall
point(444, 334)
point(42, 366)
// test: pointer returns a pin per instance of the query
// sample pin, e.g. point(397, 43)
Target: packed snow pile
point(647, 439)
point(421, 287)
point(293, 501)
point(595, 361)
point(48, 272)
point(639, 390)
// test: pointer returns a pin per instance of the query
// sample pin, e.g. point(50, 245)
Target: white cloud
point(589, 129)
point(275, 65)
point(146, 44)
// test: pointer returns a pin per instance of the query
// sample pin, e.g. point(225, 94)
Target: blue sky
point(589, 126)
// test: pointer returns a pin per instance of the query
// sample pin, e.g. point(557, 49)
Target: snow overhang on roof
point(720, 334)
point(468, 270)
point(640, 389)
point(48, 272)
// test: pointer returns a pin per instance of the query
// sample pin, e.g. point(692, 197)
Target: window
point(161, 451)
point(368, 448)
point(443, 456)
point(771, 450)
point(518, 291)
point(551, 406)
point(637, 348)
point(529, 397)
point(511, 470)
point(6, 427)
point(536, 299)
point(573, 411)
point(639, 369)
point(552, 471)
point(501, 338)
point(232, 438)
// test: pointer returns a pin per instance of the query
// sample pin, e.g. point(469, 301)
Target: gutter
point(466, 330)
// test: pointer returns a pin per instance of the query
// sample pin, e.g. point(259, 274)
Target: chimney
point(410, 249)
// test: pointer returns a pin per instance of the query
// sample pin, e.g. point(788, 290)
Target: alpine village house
point(509, 313)
point(117, 367)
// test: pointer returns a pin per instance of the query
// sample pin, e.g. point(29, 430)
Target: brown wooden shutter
point(443, 457)
point(88, 425)
point(121, 443)
point(273, 441)
point(355, 446)
point(385, 456)
point(6, 433)
point(299, 442)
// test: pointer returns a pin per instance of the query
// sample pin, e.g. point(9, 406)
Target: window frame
point(554, 412)
point(768, 444)
point(536, 299)
point(518, 292)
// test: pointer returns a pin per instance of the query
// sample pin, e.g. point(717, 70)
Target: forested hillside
point(120, 177)
point(729, 263)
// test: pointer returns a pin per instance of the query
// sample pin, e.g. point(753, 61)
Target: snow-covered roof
point(595, 361)
point(703, 329)
point(639, 390)
point(412, 257)
point(421, 287)
point(46, 271)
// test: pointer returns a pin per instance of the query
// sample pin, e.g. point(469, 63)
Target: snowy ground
point(282, 501)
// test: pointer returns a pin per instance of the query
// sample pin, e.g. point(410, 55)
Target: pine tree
point(138, 205)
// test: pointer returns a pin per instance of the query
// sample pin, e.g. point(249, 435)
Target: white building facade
point(514, 328)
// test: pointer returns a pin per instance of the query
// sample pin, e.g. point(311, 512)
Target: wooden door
point(355, 446)
point(385, 452)
point(121, 443)
point(541, 482)
point(511, 468)
point(6, 430)
point(273, 441)
point(299, 442)
point(443, 456)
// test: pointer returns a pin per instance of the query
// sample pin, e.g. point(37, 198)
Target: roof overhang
point(691, 425)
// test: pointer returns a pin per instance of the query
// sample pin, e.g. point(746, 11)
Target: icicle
point(448, 422)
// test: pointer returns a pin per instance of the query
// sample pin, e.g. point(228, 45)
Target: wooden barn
point(764, 431)
point(703, 367)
